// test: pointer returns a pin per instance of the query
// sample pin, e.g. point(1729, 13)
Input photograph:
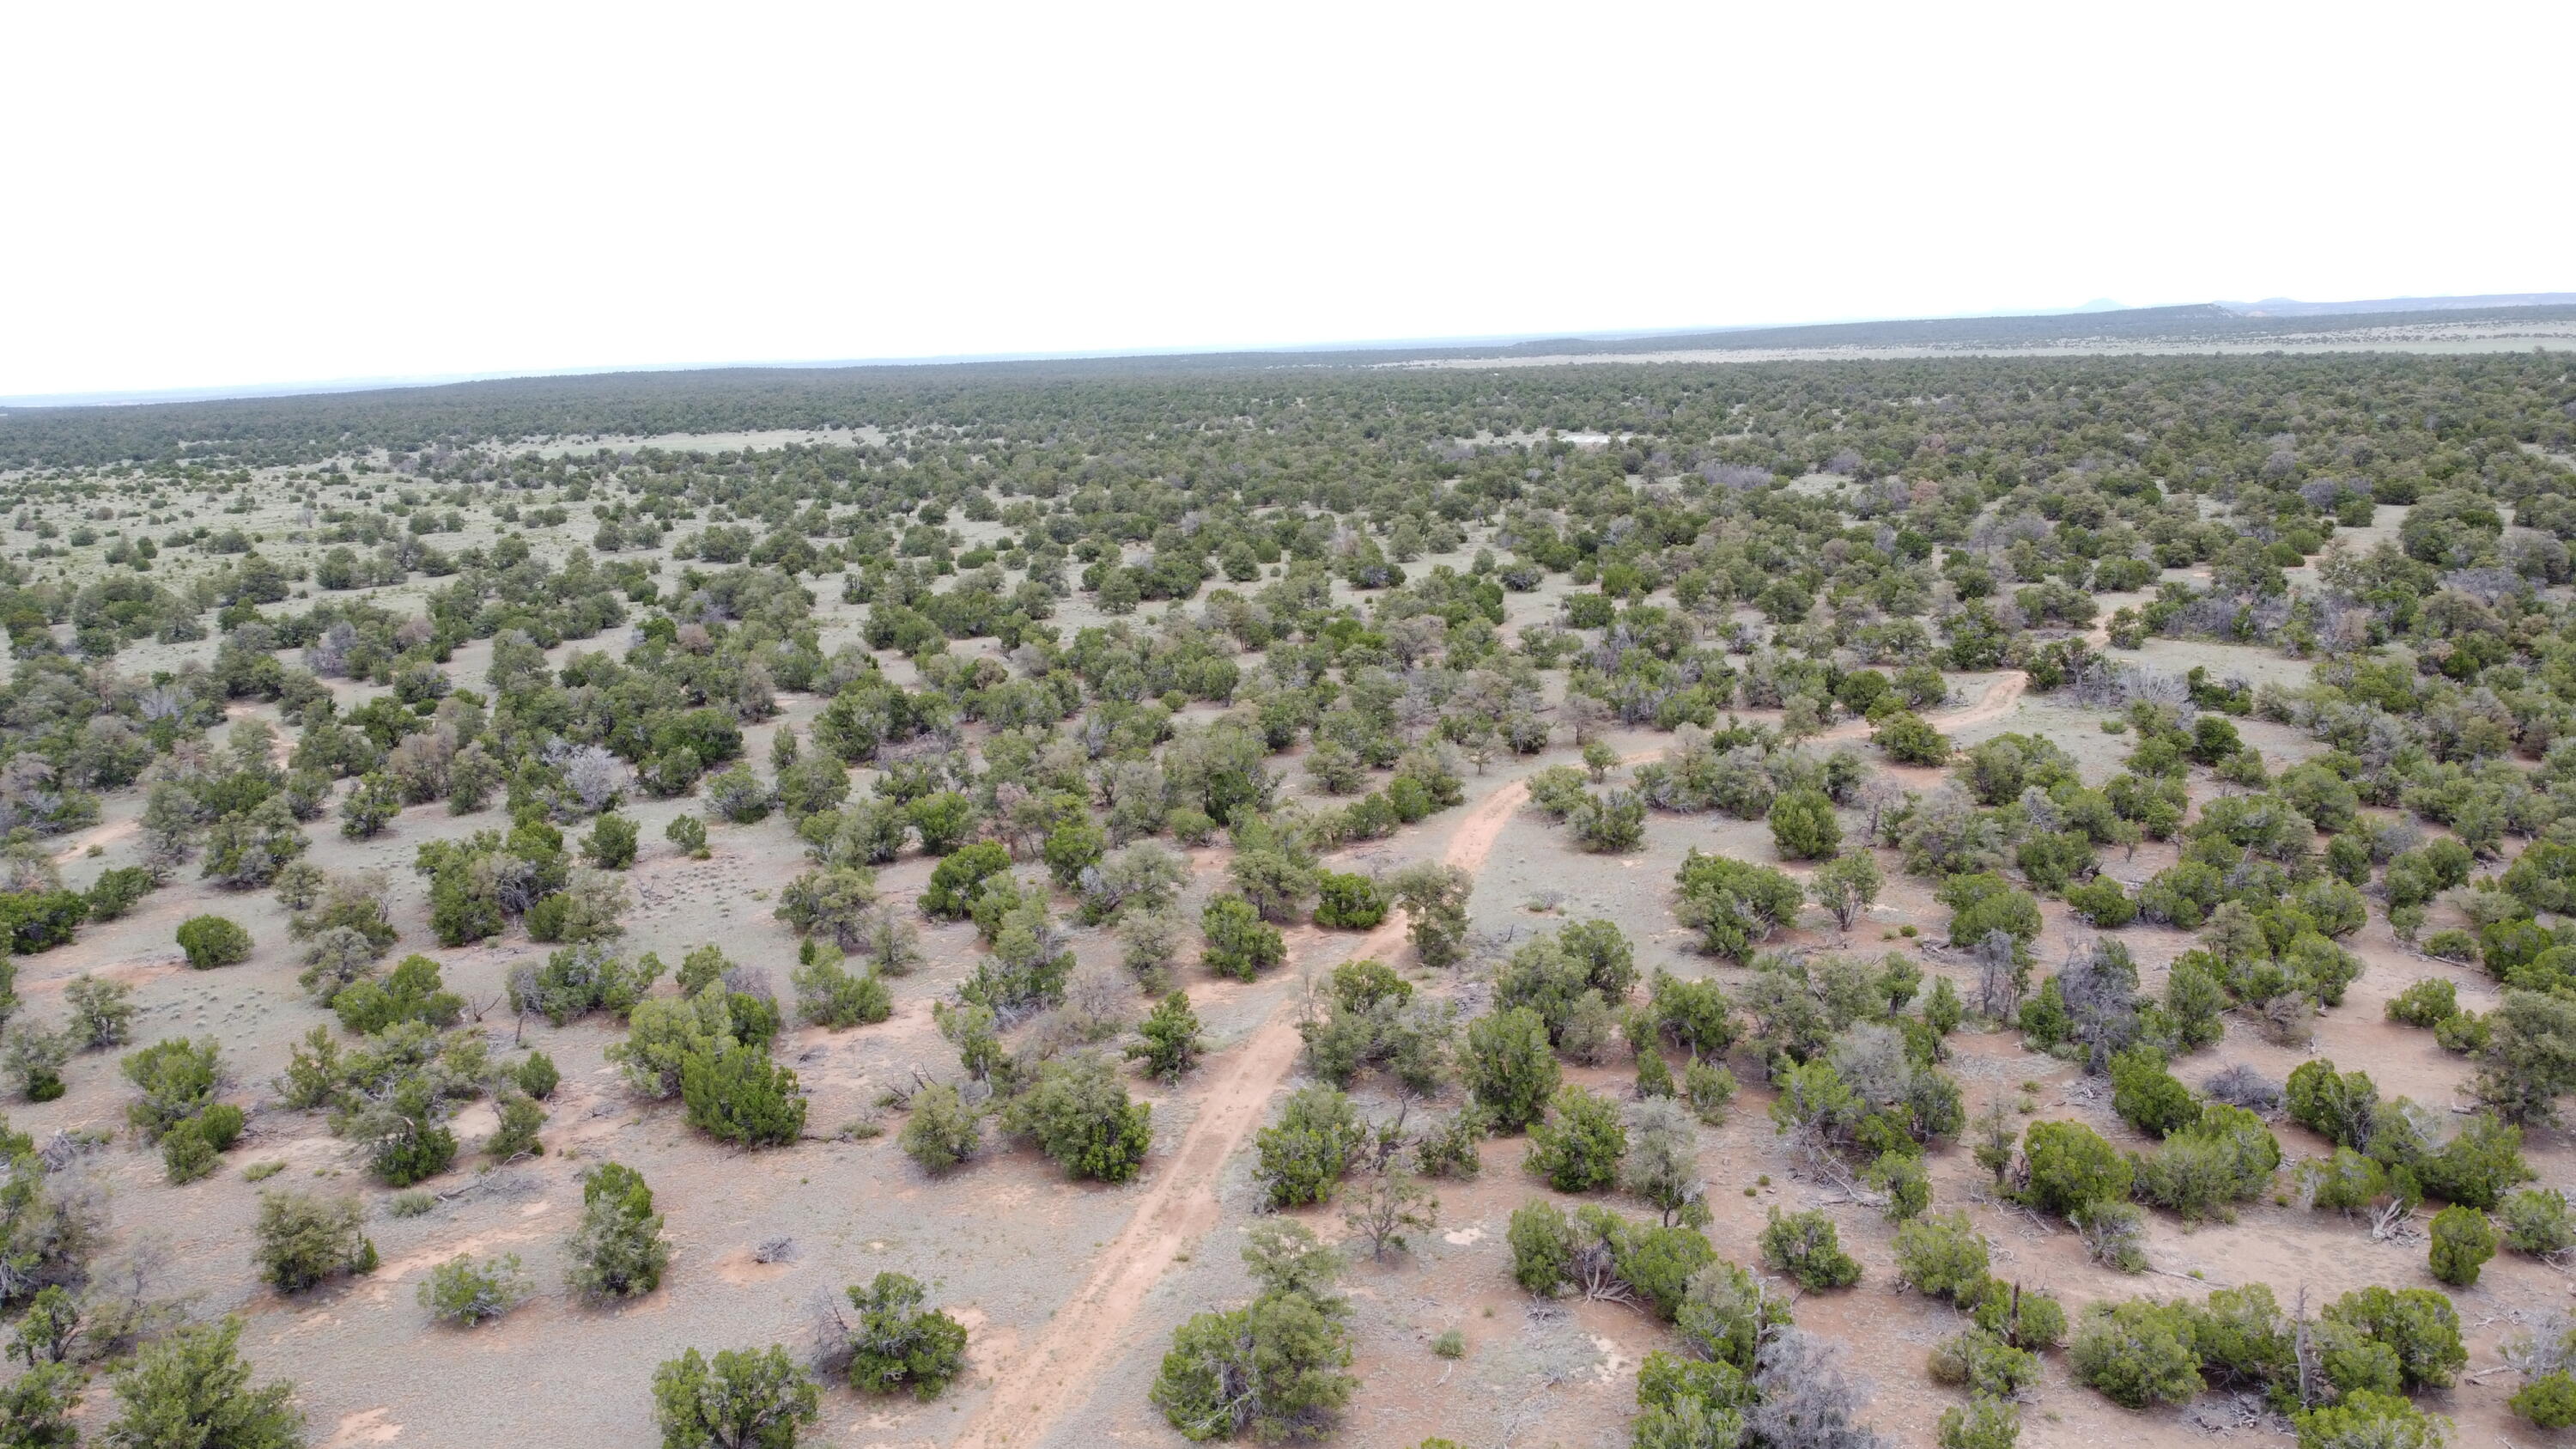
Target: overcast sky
point(204, 195)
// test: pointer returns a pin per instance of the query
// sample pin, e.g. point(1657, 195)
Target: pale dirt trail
point(1059, 1367)
point(1997, 702)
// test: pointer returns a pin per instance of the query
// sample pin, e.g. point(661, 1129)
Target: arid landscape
point(1817, 823)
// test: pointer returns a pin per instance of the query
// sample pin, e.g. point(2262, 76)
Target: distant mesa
point(2288, 307)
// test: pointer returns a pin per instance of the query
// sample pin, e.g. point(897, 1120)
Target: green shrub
point(1909, 739)
point(189, 1149)
point(618, 1250)
point(829, 994)
point(1901, 1175)
point(414, 992)
point(1169, 1044)
point(178, 1079)
point(115, 891)
point(369, 807)
point(2137, 1354)
point(2477, 1166)
point(191, 1387)
point(1982, 1364)
point(1735, 905)
point(2529, 1060)
point(2071, 1168)
point(942, 1131)
point(102, 1012)
point(1348, 902)
point(2101, 902)
point(1943, 1256)
point(689, 833)
point(1803, 825)
point(40, 920)
point(747, 1397)
point(2345, 1182)
point(960, 876)
point(1984, 1424)
point(2418, 1325)
point(2548, 1400)
point(1078, 1113)
point(1542, 1242)
point(898, 1344)
point(32, 1059)
point(1657, 1262)
point(213, 941)
point(537, 1076)
point(737, 1094)
point(2024, 1319)
point(2538, 1221)
point(1448, 1148)
point(303, 1239)
point(515, 1135)
point(578, 980)
point(2427, 1003)
point(1305, 1153)
point(2114, 1233)
point(2337, 1106)
point(611, 842)
point(1806, 1247)
point(2467, 1033)
point(1270, 1370)
point(2463, 1240)
point(2147, 1096)
point(1579, 1146)
point(1708, 1088)
point(2366, 1420)
point(2227, 1157)
point(186, 1155)
point(1726, 1315)
point(1238, 942)
point(1509, 1067)
point(1984, 902)
point(464, 1292)
point(36, 1410)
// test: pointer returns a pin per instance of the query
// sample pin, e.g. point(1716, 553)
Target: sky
point(198, 196)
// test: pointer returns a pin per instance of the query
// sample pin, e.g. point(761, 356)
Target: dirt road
point(1997, 702)
point(1058, 1368)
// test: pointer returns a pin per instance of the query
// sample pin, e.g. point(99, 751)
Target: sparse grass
point(411, 1204)
point(1452, 1344)
point(262, 1171)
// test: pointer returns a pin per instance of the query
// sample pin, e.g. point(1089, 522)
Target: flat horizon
point(304, 387)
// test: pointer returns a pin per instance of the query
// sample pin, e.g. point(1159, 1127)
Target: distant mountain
point(2127, 323)
point(2287, 307)
point(2200, 323)
point(280, 425)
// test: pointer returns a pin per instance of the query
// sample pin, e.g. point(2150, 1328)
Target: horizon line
point(313, 387)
